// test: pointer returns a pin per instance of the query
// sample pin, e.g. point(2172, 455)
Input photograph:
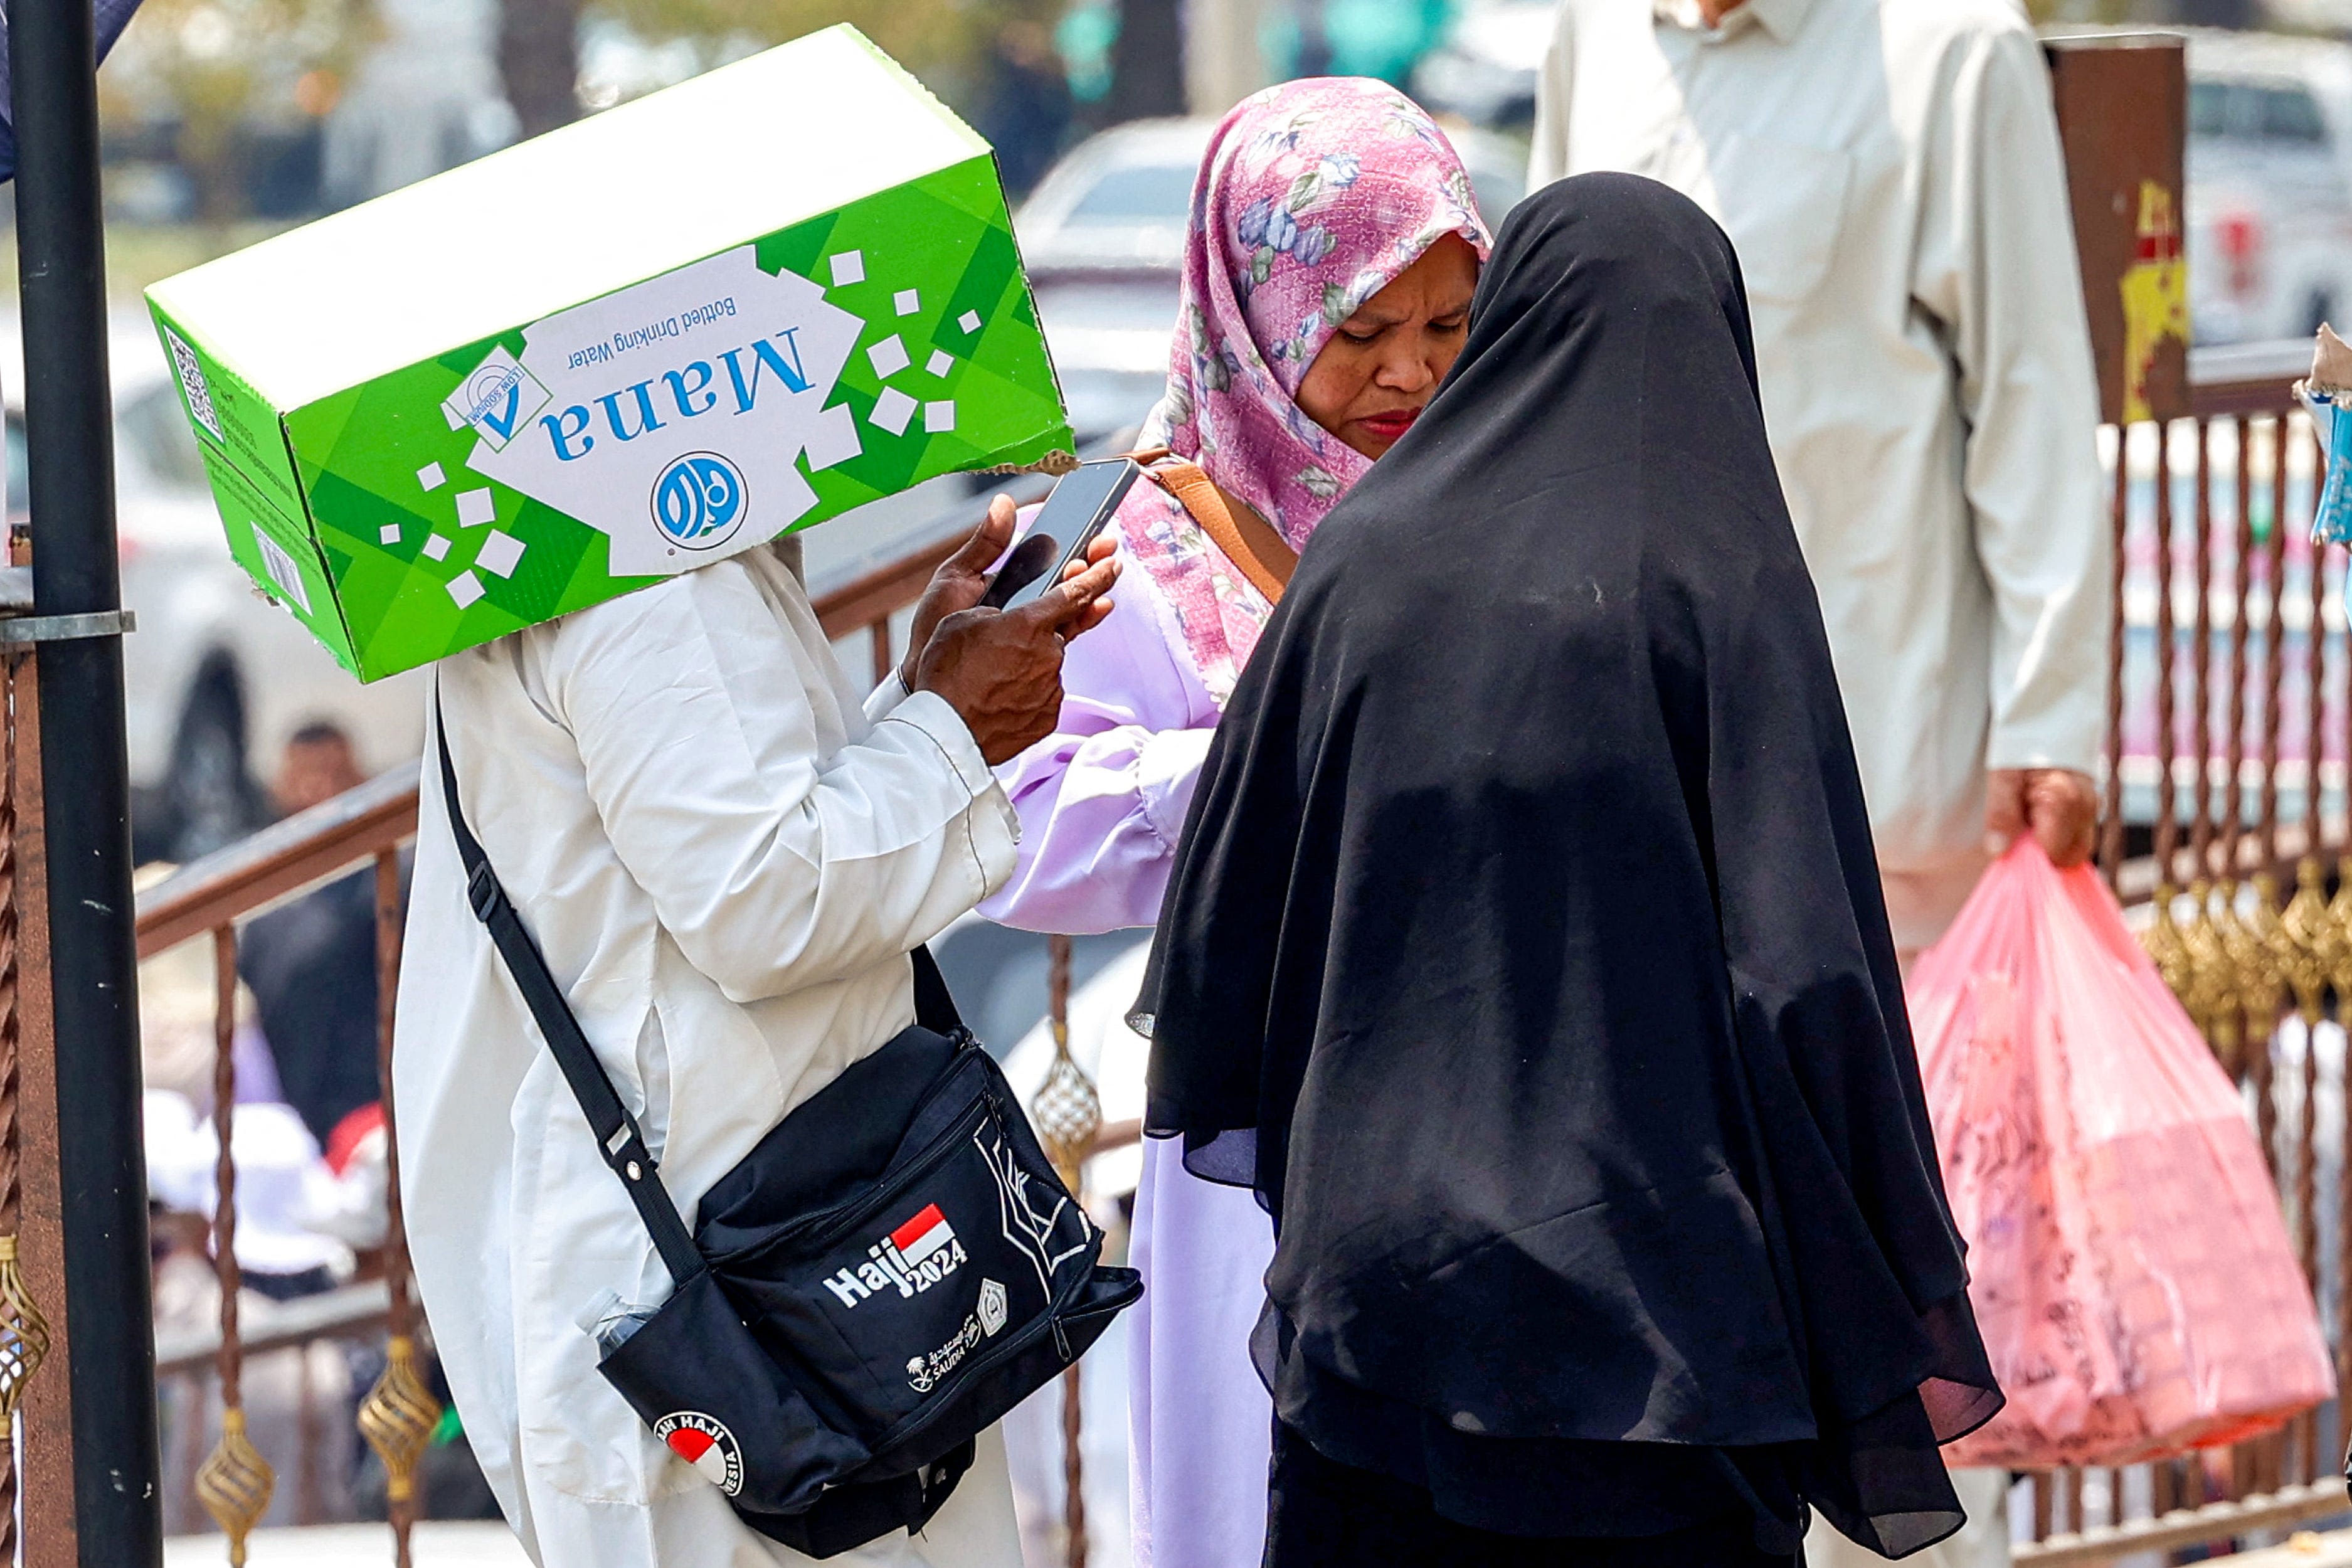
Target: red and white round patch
point(705, 1443)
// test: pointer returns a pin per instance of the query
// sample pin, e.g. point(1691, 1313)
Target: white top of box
point(739, 152)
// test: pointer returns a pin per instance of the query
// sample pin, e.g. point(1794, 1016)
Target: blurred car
point(1103, 239)
point(2269, 218)
point(216, 677)
point(1486, 69)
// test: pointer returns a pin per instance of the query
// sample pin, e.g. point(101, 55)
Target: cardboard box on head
point(618, 352)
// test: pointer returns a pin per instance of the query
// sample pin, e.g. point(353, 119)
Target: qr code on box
point(282, 570)
point(191, 382)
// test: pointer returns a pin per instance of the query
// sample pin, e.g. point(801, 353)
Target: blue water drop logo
point(700, 500)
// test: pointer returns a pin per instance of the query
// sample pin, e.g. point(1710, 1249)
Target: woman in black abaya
point(1525, 952)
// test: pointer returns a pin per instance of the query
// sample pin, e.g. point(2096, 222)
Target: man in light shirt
point(1891, 174)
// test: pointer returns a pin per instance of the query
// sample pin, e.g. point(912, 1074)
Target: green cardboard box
point(615, 353)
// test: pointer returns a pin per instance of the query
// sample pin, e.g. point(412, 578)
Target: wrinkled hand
point(962, 579)
point(1002, 670)
point(960, 582)
point(2058, 806)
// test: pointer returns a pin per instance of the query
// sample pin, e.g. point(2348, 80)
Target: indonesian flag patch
point(923, 1235)
point(705, 1443)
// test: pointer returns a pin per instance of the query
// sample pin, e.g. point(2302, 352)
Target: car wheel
point(209, 799)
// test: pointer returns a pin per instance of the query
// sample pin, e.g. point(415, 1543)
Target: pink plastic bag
point(2128, 1265)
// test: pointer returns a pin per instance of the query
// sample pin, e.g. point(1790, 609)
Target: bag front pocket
point(958, 1250)
point(713, 1393)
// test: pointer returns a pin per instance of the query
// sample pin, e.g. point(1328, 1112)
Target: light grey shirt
point(1891, 174)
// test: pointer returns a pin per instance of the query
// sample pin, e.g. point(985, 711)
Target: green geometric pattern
point(358, 455)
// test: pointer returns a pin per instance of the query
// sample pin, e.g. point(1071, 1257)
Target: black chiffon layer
point(1329, 1513)
point(1525, 949)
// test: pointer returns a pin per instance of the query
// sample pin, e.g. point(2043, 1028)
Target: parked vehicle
point(2269, 200)
point(1103, 239)
point(1486, 69)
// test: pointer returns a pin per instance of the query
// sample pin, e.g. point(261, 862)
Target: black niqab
point(1526, 948)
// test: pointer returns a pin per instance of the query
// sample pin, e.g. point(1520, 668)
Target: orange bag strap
point(1248, 541)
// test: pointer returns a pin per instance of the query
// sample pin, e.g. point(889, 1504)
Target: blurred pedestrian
point(1891, 174)
point(312, 964)
point(1525, 954)
point(1326, 286)
point(1028, 113)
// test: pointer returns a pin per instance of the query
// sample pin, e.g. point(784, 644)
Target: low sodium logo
point(704, 1442)
point(699, 500)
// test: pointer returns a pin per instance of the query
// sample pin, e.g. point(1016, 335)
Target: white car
point(1117, 201)
point(2269, 202)
point(217, 678)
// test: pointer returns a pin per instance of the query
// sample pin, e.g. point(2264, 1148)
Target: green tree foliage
point(211, 69)
point(945, 42)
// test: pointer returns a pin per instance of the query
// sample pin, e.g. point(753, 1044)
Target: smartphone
point(1080, 509)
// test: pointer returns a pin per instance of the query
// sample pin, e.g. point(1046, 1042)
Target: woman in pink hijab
point(1334, 248)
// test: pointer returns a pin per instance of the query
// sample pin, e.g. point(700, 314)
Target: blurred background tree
point(232, 88)
point(948, 43)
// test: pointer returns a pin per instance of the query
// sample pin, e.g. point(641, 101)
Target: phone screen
point(1081, 505)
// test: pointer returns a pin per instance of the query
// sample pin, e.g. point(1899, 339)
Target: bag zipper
point(825, 1227)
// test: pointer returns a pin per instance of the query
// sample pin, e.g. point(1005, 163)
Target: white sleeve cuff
point(884, 699)
point(930, 712)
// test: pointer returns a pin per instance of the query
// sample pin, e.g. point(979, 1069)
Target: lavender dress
point(1100, 805)
point(1313, 197)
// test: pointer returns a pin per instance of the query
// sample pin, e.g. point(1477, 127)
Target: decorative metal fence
point(2228, 729)
point(2227, 735)
point(368, 828)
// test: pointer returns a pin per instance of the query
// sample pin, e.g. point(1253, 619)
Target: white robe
point(726, 860)
point(1891, 173)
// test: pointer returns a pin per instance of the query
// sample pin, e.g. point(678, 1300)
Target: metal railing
point(2228, 729)
point(2230, 710)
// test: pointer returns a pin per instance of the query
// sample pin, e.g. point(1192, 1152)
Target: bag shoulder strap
point(1249, 541)
point(619, 1139)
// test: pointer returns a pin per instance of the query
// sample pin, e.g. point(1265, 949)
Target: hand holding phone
point(1080, 508)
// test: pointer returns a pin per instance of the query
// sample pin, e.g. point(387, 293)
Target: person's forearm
point(1099, 817)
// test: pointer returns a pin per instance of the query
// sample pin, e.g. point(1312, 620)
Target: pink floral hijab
point(1313, 197)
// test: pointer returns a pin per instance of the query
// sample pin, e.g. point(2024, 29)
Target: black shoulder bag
point(892, 1268)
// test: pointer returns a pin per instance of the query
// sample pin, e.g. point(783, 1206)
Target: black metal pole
point(93, 958)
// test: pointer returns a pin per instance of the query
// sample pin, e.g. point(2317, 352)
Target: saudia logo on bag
point(673, 415)
point(914, 1258)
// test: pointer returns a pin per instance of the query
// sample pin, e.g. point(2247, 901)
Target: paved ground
point(333, 1546)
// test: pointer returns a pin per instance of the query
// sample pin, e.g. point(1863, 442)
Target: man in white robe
point(726, 858)
point(1891, 174)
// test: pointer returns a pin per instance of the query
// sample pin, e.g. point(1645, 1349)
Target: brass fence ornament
point(1067, 1114)
point(1067, 1110)
point(2339, 936)
point(2210, 988)
point(2262, 979)
point(2305, 942)
point(2165, 947)
point(2238, 990)
point(24, 1332)
point(398, 1416)
point(235, 1484)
